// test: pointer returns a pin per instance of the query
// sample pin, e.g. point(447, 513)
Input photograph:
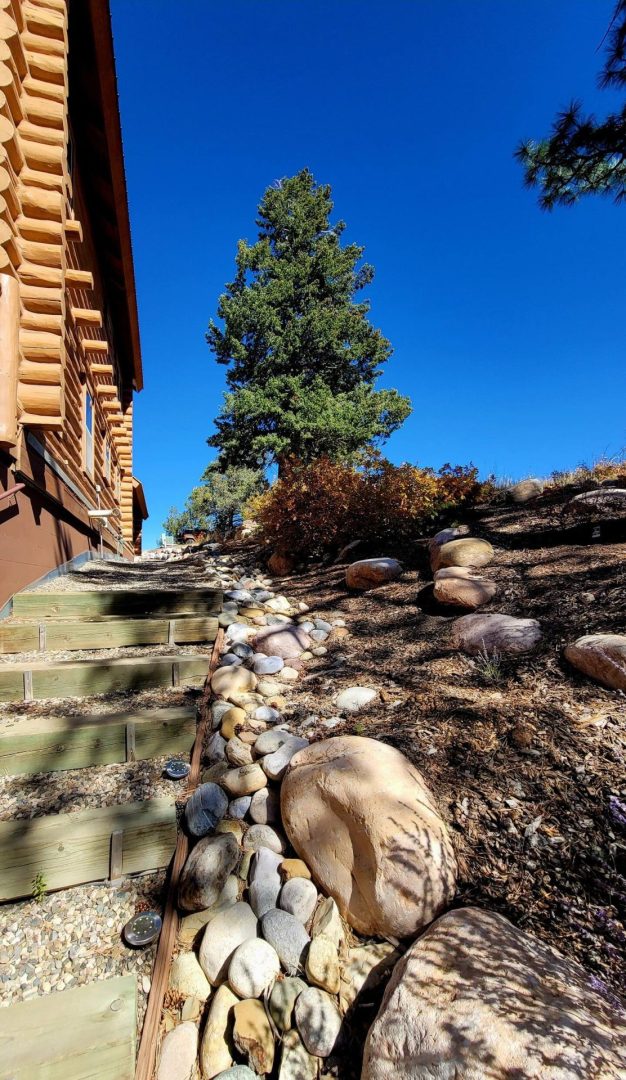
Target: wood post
point(9, 358)
point(117, 855)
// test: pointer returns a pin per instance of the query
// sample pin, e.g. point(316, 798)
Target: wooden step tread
point(82, 678)
point(88, 1031)
point(50, 744)
point(105, 633)
point(71, 849)
point(121, 602)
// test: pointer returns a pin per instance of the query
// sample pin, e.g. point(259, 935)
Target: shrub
point(316, 508)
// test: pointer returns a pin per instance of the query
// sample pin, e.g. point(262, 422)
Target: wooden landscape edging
point(152, 602)
point(71, 849)
point(31, 745)
point(82, 678)
point(146, 1057)
point(108, 632)
point(88, 1031)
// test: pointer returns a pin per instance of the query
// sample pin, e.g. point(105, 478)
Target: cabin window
point(107, 461)
point(88, 433)
point(118, 486)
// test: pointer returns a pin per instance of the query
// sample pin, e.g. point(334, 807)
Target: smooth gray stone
point(238, 1072)
point(265, 881)
point(270, 741)
point(206, 870)
point(265, 807)
point(296, 1063)
point(285, 993)
point(205, 809)
point(288, 937)
point(215, 748)
point(318, 1020)
point(223, 935)
point(238, 808)
point(263, 836)
point(299, 897)
point(267, 665)
point(243, 651)
point(275, 765)
point(229, 659)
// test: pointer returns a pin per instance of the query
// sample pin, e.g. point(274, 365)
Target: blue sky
point(506, 322)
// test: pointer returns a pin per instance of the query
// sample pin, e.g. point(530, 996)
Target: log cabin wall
point(69, 344)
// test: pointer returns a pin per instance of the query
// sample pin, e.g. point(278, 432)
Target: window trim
point(89, 455)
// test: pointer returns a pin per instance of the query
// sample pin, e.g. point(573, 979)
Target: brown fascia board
point(105, 59)
point(140, 498)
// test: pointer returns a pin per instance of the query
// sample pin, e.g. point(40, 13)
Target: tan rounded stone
point(244, 781)
point(291, 868)
point(464, 552)
point(231, 720)
point(322, 964)
point(232, 680)
point(459, 586)
point(217, 1050)
point(602, 657)
point(253, 1036)
point(489, 634)
point(361, 817)
point(475, 997)
point(368, 573)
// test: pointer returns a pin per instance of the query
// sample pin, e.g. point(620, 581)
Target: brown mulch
point(528, 769)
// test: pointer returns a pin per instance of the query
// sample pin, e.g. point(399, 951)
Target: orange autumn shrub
point(317, 508)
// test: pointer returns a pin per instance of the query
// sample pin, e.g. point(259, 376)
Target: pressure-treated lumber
point(110, 633)
point(31, 745)
point(70, 849)
point(86, 1032)
point(151, 602)
point(146, 1057)
point(68, 678)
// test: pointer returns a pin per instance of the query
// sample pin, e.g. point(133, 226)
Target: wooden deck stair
point(104, 632)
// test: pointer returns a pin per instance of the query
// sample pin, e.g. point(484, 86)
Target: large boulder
point(467, 551)
point(284, 640)
point(460, 586)
point(363, 820)
point(525, 491)
point(602, 657)
point(490, 634)
point(368, 573)
point(604, 502)
point(475, 997)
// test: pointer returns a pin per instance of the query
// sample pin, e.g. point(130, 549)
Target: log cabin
point(70, 358)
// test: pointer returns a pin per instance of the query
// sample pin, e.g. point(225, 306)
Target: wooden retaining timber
point(148, 1046)
point(88, 1031)
point(50, 744)
point(110, 632)
point(122, 602)
point(86, 677)
point(71, 849)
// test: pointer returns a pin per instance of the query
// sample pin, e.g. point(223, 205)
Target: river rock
point(217, 1049)
point(225, 933)
point(327, 921)
point(238, 1072)
point(269, 688)
point(355, 698)
point(285, 993)
point(476, 997)
point(230, 659)
point(205, 809)
point(187, 977)
point(285, 641)
point(265, 806)
point(265, 881)
point(205, 872)
point(218, 710)
point(267, 714)
point(214, 748)
point(190, 925)
point(178, 1053)
point(299, 897)
point(463, 552)
point(232, 680)
point(288, 937)
point(318, 1020)
point(245, 780)
point(252, 1035)
point(253, 967)
point(368, 573)
point(365, 967)
point(602, 657)
point(294, 868)
point(238, 808)
point(296, 1063)
point(238, 752)
point(231, 721)
point(604, 501)
point(270, 741)
point(263, 836)
point(525, 491)
point(488, 634)
point(322, 964)
point(362, 818)
point(231, 825)
point(268, 665)
point(242, 650)
point(275, 764)
point(459, 586)
point(455, 532)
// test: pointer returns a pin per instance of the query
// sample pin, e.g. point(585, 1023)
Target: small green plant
point(489, 666)
point(358, 728)
point(40, 886)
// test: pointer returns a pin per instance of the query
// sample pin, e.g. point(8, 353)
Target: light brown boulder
point(490, 634)
point(603, 501)
point(477, 998)
point(602, 657)
point(231, 680)
point(467, 551)
point(368, 573)
point(525, 491)
point(363, 820)
point(459, 586)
